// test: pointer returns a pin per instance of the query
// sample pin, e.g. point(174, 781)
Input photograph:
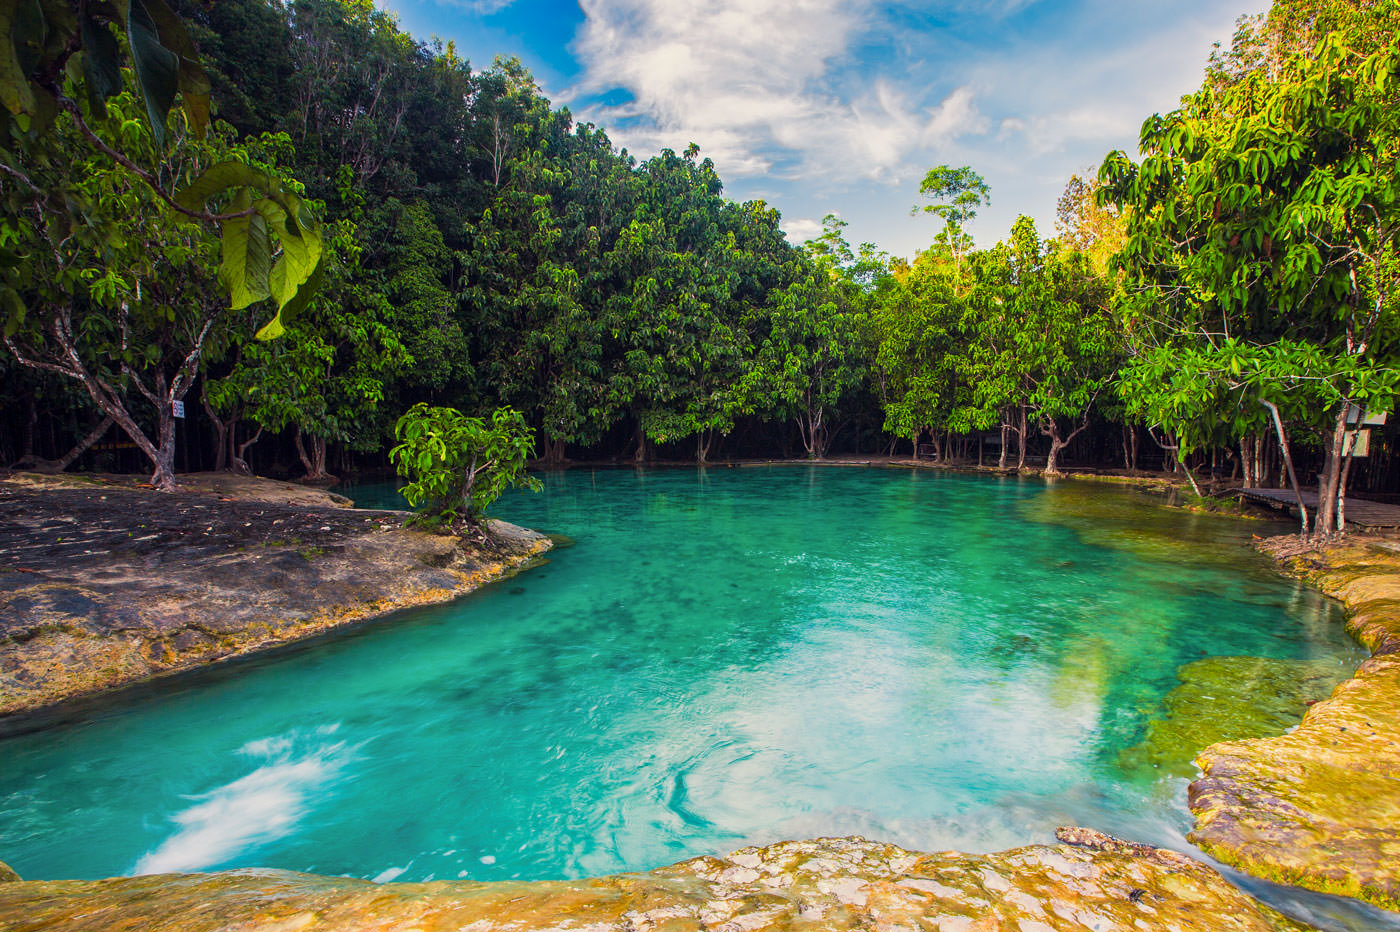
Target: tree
point(920, 352)
point(254, 211)
point(808, 339)
point(456, 466)
point(957, 193)
point(1263, 231)
point(113, 287)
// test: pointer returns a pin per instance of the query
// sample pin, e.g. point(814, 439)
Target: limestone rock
point(104, 586)
point(825, 884)
point(1229, 698)
point(1320, 807)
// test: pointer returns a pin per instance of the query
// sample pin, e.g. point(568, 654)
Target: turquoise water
point(723, 657)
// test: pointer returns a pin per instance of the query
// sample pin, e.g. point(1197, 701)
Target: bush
point(457, 465)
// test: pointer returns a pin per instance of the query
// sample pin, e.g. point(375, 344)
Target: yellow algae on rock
point(1228, 699)
point(831, 884)
point(1320, 807)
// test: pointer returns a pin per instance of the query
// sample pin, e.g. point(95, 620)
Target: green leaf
point(15, 92)
point(30, 35)
point(220, 177)
point(14, 310)
point(157, 68)
point(301, 243)
point(297, 297)
point(193, 82)
point(247, 257)
point(101, 64)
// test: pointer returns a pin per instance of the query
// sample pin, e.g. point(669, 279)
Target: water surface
point(723, 657)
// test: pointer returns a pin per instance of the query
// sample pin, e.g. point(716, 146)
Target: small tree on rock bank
point(457, 465)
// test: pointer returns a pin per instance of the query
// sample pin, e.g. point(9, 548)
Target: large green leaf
point(157, 68)
point(14, 83)
point(247, 257)
point(298, 297)
point(193, 82)
point(30, 34)
point(301, 242)
point(101, 64)
point(218, 178)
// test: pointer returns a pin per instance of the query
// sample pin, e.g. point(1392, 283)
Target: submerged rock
point(825, 884)
point(1320, 807)
point(1228, 699)
point(104, 586)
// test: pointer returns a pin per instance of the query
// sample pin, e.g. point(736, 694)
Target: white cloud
point(842, 105)
point(799, 230)
point(757, 84)
point(481, 7)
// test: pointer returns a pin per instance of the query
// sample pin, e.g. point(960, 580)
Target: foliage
point(53, 57)
point(1262, 242)
point(456, 466)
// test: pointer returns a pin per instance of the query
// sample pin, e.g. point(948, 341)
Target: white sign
point(1356, 443)
point(177, 409)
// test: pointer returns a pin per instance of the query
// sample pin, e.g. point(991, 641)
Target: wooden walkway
point(1363, 514)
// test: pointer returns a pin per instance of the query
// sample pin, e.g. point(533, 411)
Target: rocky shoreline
point(103, 585)
point(1319, 807)
point(824, 885)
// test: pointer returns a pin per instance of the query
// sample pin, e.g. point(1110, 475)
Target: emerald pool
point(722, 657)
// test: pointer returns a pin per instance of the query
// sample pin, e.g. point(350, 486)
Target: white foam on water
point(257, 808)
point(388, 874)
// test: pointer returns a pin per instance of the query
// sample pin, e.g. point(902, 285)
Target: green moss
point(1226, 699)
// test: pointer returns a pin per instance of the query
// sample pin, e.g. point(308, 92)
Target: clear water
point(723, 657)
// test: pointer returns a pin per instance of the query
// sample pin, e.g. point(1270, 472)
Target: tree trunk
point(163, 477)
point(1021, 440)
point(1328, 486)
point(553, 454)
point(30, 461)
point(1288, 462)
point(643, 453)
point(702, 445)
point(239, 456)
point(1001, 460)
point(1052, 460)
point(223, 430)
point(1057, 444)
point(26, 448)
point(812, 426)
point(81, 447)
point(1347, 460)
point(313, 462)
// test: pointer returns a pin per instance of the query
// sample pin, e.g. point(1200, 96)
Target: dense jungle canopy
point(413, 230)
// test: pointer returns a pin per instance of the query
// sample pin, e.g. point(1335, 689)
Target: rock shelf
point(822, 885)
point(1320, 807)
point(103, 585)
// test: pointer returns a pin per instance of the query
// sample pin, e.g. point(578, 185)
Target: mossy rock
point(1228, 699)
point(823, 885)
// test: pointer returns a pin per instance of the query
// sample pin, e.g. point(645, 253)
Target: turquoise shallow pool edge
point(653, 713)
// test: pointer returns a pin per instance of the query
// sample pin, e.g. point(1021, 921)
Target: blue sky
point(841, 106)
